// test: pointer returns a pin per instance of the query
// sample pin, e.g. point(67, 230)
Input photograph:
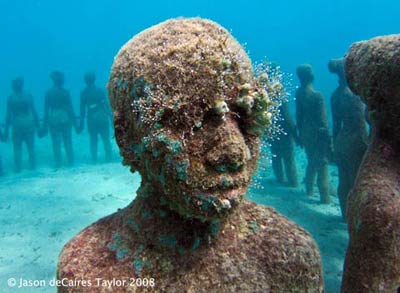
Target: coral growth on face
point(188, 114)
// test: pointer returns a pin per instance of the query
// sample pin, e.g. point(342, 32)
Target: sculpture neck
point(308, 86)
point(342, 81)
point(383, 134)
point(383, 145)
point(153, 223)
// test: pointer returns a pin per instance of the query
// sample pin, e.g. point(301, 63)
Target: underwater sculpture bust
point(373, 260)
point(188, 112)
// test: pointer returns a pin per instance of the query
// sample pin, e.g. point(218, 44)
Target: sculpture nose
point(229, 152)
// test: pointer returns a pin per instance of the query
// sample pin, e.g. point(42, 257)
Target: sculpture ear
point(123, 96)
point(124, 136)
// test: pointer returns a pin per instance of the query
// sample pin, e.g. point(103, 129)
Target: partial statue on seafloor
point(312, 124)
point(373, 212)
point(188, 115)
point(22, 119)
point(59, 118)
point(95, 110)
point(282, 149)
point(349, 132)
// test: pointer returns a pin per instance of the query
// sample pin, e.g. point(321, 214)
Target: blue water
point(74, 36)
point(39, 36)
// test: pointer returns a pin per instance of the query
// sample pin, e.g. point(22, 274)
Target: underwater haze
point(76, 36)
point(40, 210)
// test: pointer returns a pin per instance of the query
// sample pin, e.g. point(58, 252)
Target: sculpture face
point(203, 172)
point(373, 74)
point(188, 112)
point(337, 66)
point(90, 78)
point(58, 78)
point(305, 74)
point(18, 84)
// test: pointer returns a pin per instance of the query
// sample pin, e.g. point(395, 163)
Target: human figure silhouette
point(59, 118)
point(349, 132)
point(22, 118)
point(95, 108)
point(312, 124)
point(282, 148)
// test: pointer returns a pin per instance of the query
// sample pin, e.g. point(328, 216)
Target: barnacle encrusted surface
point(373, 73)
point(372, 260)
point(178, 73)
point(188, 112)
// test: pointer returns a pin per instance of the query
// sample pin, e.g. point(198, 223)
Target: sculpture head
point(373, 72)
point(57, 77)
point(188, 113)
point(305, 74)
point(17, 84)
point(336, 66)
point(90, 78)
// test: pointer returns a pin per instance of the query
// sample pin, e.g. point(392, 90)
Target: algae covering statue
point(349, 132)
point(94, 103)
point(188, 112)
point(23, 120)
point(59, 118)
point(373, 256)
point(312, 123)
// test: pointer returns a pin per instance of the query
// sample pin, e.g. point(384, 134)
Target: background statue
point(349, 132)
point(95, 105)
point(373, 260)
point(22, 118)
point(59, 118)
point(312, 124)
point(282, 148)
point(187, 115)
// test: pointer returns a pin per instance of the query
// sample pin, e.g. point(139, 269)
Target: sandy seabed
point(41, 210)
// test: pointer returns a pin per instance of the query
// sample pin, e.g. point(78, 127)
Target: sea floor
point(41, 210)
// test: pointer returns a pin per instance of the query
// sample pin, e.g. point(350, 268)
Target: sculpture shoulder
point(85, 255)
point(285, 250)
point(318, 96)
point(276, 227)
point(259, 244)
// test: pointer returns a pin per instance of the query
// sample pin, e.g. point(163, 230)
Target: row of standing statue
point(311, 133)
point(346, 146)
point(59, 120)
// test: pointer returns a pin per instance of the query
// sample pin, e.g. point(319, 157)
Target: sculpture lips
point(224, 200)
point(231, 194)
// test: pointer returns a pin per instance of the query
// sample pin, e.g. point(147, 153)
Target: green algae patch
point(253, 225)
point(168, 240)
point(116, 246)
